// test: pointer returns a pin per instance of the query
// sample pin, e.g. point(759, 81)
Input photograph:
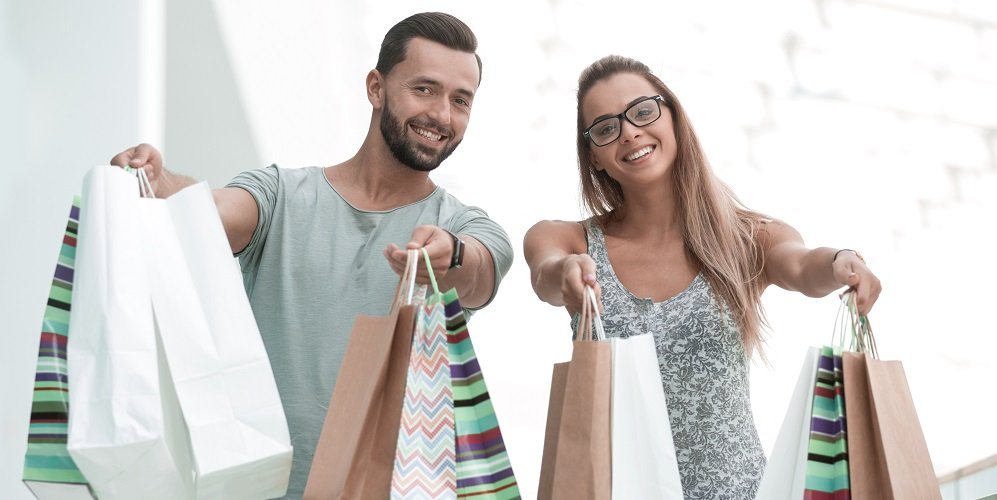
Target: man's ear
point(375, 88)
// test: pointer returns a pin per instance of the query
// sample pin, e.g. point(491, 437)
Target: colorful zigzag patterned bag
point(425, 467)
point(449, 442)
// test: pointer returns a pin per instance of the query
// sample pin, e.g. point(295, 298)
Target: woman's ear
point(375, 88)
point(594, 161)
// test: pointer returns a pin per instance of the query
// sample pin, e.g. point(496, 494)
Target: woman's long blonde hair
point(718, 230)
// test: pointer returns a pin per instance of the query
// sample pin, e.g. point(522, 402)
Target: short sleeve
point(473, 221)
point(262, 185)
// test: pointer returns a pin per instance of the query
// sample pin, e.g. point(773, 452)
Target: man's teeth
point(427, 134)
point(639, 153)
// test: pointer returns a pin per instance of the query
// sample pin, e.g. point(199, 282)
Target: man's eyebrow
point(631, 103)
point(425, 80)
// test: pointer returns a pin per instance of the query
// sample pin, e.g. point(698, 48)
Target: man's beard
point(413, 155)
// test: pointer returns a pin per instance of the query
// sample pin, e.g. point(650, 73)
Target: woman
point(672, 252)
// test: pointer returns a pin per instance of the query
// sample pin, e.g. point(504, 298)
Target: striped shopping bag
point(827, 449)
point(49, 471)
point(483, 467)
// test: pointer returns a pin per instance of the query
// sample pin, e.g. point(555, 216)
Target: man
point(312, 241)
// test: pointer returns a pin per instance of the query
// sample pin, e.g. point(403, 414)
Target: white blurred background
point(867, 124)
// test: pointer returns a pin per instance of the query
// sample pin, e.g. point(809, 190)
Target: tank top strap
point(596, 241)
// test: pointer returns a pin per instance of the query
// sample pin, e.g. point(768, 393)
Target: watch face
point(457, 259)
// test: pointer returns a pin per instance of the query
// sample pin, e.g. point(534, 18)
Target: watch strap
point(457, 257)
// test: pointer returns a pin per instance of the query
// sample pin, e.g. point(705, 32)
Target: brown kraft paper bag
point(866, 476)
point(582, 461)
point(554, 406)
point(888, 456)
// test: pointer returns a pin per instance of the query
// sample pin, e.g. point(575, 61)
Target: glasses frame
point(623, 116)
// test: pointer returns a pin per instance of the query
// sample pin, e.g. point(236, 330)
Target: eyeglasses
point(641, 113)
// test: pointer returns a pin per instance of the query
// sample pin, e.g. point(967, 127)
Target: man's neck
point(375, 180)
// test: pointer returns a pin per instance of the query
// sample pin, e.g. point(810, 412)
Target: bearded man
point(312, 242)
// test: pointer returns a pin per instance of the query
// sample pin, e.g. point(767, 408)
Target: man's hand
point(164, 183)
point(437, 242)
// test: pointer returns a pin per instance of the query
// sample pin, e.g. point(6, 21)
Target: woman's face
point(639, 154)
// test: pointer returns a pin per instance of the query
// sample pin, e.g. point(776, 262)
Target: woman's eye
point(606, 130)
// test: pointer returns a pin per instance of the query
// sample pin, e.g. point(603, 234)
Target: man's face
point(427, 103)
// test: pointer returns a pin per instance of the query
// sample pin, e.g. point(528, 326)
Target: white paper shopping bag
point(226, 389)
point(644, 463)
point(126, 433)
point(787, 467)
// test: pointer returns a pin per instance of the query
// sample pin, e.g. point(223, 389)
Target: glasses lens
point(644, 112)
point(605, 131)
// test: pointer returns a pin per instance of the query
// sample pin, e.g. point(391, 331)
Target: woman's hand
point(577, 271)
point(849, 269)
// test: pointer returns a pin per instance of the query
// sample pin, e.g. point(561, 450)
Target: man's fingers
point(421, 236)
point(396, 266)
point(137, 156)
point(121, 159)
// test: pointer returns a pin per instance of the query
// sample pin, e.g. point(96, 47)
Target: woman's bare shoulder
point(566, 234)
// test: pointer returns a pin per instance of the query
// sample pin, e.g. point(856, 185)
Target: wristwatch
point(457, 258)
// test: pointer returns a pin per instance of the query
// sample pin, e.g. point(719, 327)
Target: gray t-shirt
point(313, 264)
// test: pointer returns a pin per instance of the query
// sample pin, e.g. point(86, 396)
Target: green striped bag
point(49, 471)
point(483, 467)
point(827, 450)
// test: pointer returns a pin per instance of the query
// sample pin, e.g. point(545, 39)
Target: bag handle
point(144, 186)
point(853, 327)
point(590, 322)
point(429, 267)
point(405, 291)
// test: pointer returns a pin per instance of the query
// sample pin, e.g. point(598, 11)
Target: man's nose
point(440, 111)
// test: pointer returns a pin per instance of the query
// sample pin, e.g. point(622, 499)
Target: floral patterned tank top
point(704, 370)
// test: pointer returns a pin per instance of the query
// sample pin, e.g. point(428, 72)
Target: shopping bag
point(580, 467)
point(898, 432)
point(483, 467)
point(645, 466)
point(49, 472)
point(126, 431)
point(867, 478)
point(224, 383)
point(425, 457)
point(888, 456)
point(827, 449)
point(785, 473)
point(355, 454)
point(555, 405)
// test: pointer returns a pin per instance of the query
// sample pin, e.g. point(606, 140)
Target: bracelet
point(847, 250)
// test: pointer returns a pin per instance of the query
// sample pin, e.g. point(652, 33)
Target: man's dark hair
point(438, 27)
